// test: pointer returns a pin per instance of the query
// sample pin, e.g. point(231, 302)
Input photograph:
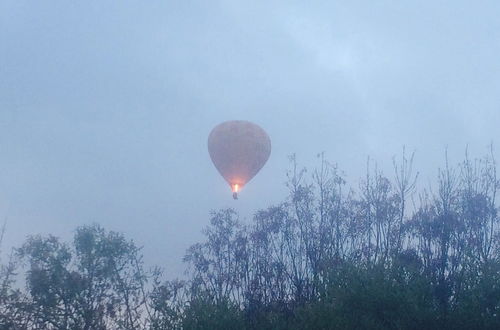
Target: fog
point(106, 106)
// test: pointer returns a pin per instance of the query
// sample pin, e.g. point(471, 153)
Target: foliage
point(94, 284)
point(327, 257)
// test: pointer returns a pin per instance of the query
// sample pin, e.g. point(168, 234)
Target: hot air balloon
point(238, 149)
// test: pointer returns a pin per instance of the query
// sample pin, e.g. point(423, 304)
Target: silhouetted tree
point(94, 284)
point(326, 257)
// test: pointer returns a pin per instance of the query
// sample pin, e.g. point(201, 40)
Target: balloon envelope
point(238, 149)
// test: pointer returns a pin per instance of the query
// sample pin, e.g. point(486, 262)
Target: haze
point(105, 106)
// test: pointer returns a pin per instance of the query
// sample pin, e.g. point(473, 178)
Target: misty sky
point(105, 106)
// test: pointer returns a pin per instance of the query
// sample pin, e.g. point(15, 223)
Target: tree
point(97, 283)
point(326, 257)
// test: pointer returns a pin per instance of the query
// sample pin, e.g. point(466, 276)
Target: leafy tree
point(326, 257)
point(95, 284)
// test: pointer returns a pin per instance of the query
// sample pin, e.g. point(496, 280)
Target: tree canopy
point(383, 255)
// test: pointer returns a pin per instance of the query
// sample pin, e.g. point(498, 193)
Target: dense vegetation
point(381, 256)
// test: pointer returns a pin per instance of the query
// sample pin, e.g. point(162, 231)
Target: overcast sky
point(106, 106)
